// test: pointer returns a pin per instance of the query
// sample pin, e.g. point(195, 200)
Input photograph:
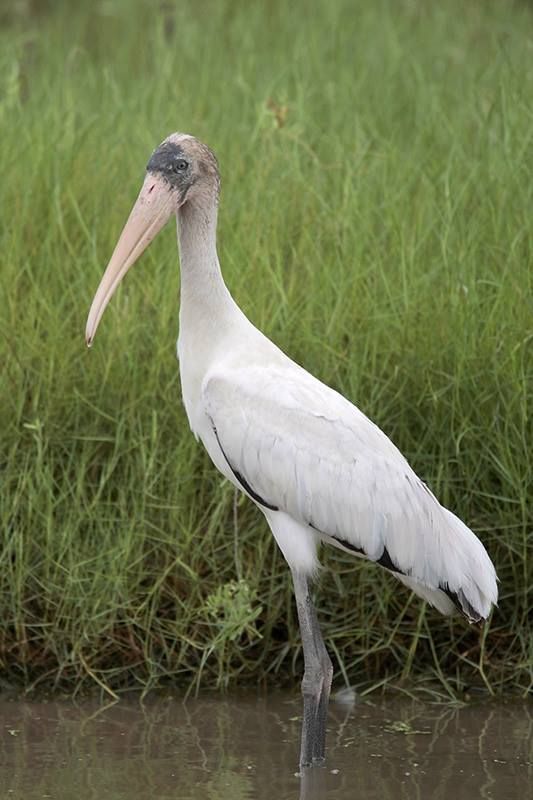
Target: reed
point(375, 221)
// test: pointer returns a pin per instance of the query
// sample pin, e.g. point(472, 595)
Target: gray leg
point(316, 683)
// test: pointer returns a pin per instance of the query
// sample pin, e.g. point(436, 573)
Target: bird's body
point(314, 464)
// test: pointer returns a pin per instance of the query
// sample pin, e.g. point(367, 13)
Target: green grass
point(376, 222)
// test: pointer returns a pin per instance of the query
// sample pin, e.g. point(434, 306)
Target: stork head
point(187, 167)
point(180, 171)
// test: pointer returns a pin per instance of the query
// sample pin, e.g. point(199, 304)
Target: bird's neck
point(209, 317)
point(208, 314)
point(204, 295)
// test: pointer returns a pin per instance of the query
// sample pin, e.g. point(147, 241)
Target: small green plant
point(233, 611)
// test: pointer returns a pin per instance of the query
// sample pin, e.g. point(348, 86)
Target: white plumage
point(317, 468)
point(308, 452)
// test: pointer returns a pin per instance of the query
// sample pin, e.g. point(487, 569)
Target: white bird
point(316, 466)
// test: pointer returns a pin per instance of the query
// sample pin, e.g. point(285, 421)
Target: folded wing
point(297, 445)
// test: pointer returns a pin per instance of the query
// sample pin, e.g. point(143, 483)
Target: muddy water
point(244, 747)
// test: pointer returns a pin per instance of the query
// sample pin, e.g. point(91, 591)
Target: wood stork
point(316, 466)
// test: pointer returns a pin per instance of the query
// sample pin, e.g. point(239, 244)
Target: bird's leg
point(316, 683)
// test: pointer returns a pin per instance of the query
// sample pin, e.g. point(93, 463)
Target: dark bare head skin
point(187, 165)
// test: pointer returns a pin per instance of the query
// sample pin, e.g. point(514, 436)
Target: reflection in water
point(247, 747)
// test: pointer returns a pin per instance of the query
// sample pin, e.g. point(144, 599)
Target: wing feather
point(308, 451)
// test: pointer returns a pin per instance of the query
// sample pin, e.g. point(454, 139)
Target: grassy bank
point(376, 222)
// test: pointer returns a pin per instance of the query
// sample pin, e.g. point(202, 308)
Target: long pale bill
point(151, 211)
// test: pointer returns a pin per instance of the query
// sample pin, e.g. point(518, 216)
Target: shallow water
point(247, 747)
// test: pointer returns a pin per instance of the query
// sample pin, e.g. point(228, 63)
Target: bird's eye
point(180, 165)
